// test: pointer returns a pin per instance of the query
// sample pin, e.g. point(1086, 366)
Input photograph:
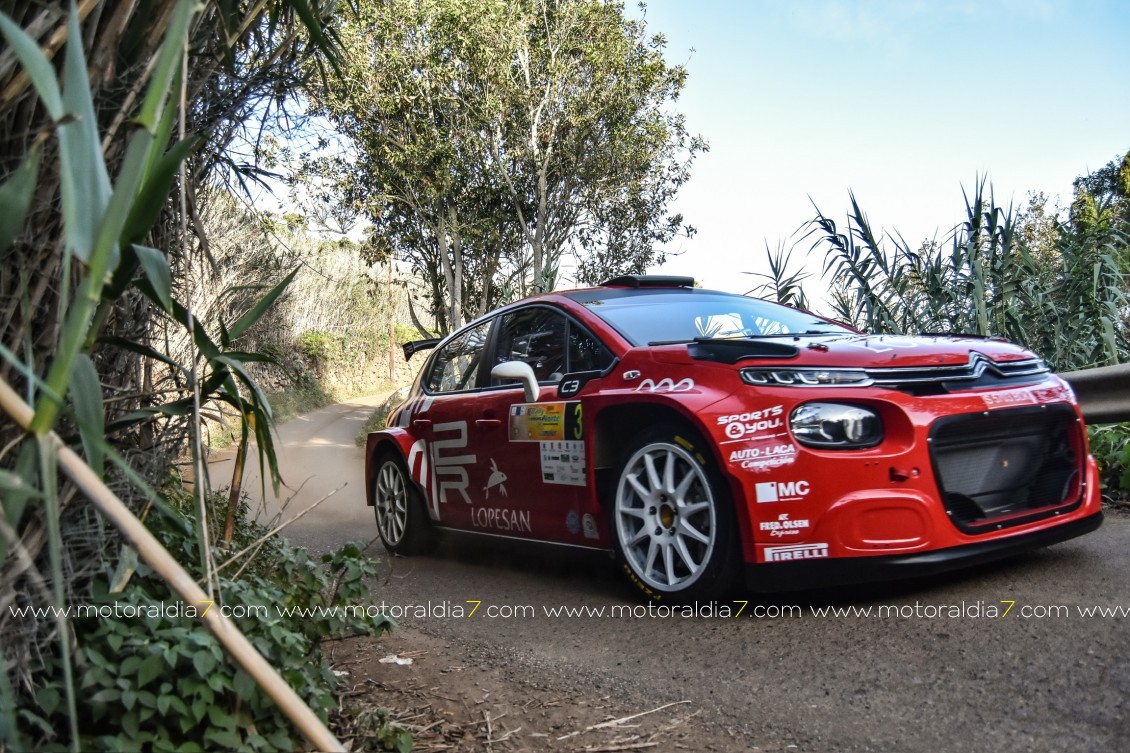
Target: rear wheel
point(673, 520)
point(401, 519)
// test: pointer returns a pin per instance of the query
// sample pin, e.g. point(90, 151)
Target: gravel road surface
point(929, 665)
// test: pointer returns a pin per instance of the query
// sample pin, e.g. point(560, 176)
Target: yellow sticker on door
point(546, 422)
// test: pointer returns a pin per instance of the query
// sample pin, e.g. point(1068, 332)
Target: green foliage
point(153, 678)
point(1111, 447)
point(489, 139)
point(1058, 286)
point(110, 202)
point(991, 277)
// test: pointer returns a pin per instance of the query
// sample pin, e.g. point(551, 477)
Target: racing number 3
point(574, 426)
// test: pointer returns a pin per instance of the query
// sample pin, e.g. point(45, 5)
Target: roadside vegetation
point(126, 326)
point(1054, 279)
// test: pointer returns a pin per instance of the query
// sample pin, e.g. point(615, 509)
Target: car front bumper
point(770, 577)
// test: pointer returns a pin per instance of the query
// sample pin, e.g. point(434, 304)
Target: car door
point(534, 450)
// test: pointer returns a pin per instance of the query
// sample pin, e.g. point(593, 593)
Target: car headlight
point(806, 377)
point(836, 426)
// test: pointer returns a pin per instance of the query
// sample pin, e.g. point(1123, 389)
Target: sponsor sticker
point(1008, 398)
point(563, 463)
point(666, 385)
point(753, 424)
point(500, 519)
point(590, 527)
point(782, 491)
point(573, 522)
point(438, 468)
point(784, 526)
point(763, 455)
point(495, 481)
point(545, 422)
point(796, 552)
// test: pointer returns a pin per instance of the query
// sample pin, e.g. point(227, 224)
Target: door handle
point(488, 423)
point(421, 424)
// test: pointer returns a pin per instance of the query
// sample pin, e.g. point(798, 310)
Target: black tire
point(673, 519)
point(402, 520)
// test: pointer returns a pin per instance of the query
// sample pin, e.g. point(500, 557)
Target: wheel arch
point(395, 441)
point(615, 427)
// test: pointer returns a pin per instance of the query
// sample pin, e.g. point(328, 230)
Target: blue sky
point(902, 102)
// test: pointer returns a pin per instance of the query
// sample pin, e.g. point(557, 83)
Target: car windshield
point(667, 316)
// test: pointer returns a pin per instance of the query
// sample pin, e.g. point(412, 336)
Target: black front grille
point(978, 373)
point(1008, 467)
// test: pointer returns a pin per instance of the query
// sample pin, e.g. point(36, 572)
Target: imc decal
point(782, 491)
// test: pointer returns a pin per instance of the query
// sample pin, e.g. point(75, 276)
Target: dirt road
point(933, 665)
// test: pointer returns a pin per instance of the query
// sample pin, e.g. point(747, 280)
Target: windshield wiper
point(740, 338)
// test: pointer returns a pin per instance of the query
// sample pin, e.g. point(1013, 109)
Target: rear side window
point(456, 365)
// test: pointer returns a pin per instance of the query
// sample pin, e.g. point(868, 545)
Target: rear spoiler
point(414, 347)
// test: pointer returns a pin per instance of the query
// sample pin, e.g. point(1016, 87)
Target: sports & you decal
point(754, 423)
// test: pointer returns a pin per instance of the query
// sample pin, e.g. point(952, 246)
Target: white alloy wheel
point(666, 517)
point(391, 502)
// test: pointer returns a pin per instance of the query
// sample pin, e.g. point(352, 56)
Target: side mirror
point(523, 373)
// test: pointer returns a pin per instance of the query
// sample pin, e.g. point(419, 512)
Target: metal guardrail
point(1103, 393)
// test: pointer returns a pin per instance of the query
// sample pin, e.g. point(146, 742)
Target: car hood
point(847, 350)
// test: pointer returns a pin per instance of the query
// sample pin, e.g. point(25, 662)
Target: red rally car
point(702, 435)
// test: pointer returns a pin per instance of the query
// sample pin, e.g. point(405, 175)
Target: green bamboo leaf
point(36, 65)
point(19, 486)
point(317, 30)
point(84, 182)
point(253, 315)
point(156, 268)
point(15, 199)
point(86, 393)
point(168, 62)
point(159, 177)
point(49, 480)
point(144, 350)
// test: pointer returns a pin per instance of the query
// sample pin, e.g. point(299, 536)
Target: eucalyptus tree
point(493, 138)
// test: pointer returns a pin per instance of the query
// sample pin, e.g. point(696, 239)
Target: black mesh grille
point(1008, 467)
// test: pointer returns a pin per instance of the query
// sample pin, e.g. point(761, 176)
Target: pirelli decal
point(796, 552)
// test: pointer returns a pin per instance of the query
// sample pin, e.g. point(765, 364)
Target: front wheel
point(673, 520)
point(401, 519)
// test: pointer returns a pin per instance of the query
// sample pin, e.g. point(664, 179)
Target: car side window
point(549, 343)
point(534, 336)
point(586, 353)
point(456, 366)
